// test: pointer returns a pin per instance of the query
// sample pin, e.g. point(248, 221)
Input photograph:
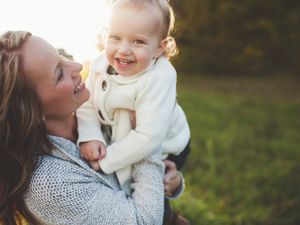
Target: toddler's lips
point(124, 61)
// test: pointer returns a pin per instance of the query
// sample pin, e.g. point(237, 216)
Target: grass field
point(245, 161)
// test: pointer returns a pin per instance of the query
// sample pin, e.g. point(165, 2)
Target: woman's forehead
point(39, 57)
point(38, 48)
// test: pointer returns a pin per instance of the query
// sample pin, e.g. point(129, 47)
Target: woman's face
point(56, 80)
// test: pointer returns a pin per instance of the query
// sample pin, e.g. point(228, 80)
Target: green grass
point(245, 161)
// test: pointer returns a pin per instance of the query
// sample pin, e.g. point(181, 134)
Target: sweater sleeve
point(89, 127)
point(61, 192)
point(154, 105)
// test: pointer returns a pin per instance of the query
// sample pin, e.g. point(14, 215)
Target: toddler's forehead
point(139, 11)
point(136, 5)
point(152, 11)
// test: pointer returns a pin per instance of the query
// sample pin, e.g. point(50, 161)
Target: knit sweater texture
point(65, 190)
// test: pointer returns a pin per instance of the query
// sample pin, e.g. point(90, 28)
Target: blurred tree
point(85, 69)
point(235, 37)
point(63, 52)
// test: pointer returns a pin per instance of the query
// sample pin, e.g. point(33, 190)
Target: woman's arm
point(63, 192)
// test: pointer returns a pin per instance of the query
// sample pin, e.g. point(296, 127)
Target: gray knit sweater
point(65, 190)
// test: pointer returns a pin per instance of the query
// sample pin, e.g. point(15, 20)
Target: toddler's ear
point(161, 48)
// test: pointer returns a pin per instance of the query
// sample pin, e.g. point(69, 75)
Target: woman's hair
point(167, 23)
point(22, 132)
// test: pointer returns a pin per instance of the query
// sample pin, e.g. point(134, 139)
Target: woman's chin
point(83, 96)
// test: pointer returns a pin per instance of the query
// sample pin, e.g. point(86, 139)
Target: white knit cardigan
point(65, 190)
point(160, 122)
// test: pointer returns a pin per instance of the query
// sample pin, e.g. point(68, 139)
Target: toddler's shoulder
point(164, 69)
point(99, 64)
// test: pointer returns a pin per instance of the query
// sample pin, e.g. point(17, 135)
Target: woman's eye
point(60, 74)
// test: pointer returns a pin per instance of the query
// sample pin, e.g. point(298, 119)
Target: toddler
point(133, 93)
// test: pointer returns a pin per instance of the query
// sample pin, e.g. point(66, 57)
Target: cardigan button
point(104, 85)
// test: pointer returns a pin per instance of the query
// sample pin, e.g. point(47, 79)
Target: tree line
point(237, 37)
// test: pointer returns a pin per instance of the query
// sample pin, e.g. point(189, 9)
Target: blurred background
point(238, 82)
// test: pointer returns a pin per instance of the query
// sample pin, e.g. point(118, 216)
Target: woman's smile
point(80, 87)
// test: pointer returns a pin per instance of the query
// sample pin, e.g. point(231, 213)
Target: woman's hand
point(172, 179)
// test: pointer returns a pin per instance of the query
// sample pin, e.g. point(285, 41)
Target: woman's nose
point(76, 68)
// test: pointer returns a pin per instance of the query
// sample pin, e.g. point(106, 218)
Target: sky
point(69, 24)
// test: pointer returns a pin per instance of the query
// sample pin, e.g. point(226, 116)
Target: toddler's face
point(134, 38)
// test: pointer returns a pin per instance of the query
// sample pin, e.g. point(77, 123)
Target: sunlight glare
point(72, 25)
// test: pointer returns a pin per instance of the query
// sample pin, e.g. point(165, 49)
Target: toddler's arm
point(89, 127)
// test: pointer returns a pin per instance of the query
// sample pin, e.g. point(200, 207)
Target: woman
point(42, 174)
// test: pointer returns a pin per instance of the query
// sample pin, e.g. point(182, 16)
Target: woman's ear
point(161, 48)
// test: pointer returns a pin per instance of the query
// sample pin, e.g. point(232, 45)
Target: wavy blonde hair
point(22, 132)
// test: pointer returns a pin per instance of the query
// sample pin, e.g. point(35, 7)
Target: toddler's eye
point(114, 37)
point(139, 42)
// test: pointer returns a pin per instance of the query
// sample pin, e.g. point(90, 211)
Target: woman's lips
point(79, 87)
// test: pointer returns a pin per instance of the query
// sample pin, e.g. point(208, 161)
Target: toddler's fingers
point(102, 153)
point(95, 165)
point(85, 156)
point(94, 155)
point(82, 155)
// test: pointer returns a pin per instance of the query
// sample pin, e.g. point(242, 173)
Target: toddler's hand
point(95, 165)
point(92, 150)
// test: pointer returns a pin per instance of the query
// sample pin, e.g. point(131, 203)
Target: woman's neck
point(65, 127)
